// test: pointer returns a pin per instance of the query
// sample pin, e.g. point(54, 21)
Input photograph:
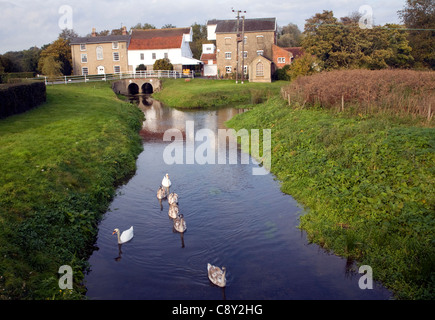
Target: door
point(101, 70)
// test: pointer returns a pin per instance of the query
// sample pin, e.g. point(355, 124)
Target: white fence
point(115, 76)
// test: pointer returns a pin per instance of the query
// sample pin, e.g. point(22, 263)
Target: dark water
point(234, 219)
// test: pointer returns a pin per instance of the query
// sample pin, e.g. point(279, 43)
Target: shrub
point(163, 64)
point(17, 98)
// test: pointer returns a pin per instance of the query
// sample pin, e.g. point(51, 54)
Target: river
point(234, 219)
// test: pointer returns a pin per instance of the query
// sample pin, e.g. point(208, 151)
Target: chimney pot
point(94, 33)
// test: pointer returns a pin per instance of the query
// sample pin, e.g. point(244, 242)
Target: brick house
point(259, 37)
point(100, 54)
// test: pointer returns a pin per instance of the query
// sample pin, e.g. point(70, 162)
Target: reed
point(395, 92)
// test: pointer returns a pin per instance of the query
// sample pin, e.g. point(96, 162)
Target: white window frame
point(115, 45)
point(84, 58)
point(154, 56)
point(245, 54)
point(228, 69)
point(260, 52)
point(116, 56)
point(228, 55)
point(82, 46)
point(117, 67)
point(142, 56)
point(281, 59)
point(259, 72)
point(99, 53)
point(85, 72)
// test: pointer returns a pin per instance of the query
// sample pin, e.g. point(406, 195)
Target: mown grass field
point(60, 164)
point(203, 93)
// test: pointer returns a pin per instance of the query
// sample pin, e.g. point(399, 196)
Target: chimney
point(94, 33)
point(124, 30)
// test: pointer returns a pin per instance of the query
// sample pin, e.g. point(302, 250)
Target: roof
point(157, 38)
point(251, 25)
point(296, 51)
point(100, 39)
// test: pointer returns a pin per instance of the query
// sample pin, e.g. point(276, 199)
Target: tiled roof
point(100, 39)
point(296, 51)
point(157, 38)
point(208, 56)
point(251, 25)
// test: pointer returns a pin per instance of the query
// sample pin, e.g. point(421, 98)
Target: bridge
point(136, 86)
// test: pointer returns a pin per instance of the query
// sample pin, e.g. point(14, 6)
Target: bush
point(18, 98)
point(163, 64)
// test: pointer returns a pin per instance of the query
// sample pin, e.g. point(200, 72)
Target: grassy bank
point(368, 183)
point(203, 93)
point(60, 164)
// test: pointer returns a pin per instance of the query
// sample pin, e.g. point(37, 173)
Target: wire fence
point(115, 76)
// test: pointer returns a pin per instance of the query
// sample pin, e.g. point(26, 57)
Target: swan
point(126, 235)
point(173, 211)
point(161, 193)
point(216, 275)
point(180, 223)
point(173, 198)
point(166, 182)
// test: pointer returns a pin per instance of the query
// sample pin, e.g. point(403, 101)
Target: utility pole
point(243, 48)
point(237, 43)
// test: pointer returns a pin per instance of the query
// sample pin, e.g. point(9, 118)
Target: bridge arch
point(133, 88)
point(147, 88)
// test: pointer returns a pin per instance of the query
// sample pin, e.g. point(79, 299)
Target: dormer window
point(115, 45)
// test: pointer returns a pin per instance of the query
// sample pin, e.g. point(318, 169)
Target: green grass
point(60, 164)
point(203, 93)
point(368, 185)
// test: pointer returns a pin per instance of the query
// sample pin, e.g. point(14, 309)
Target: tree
point(51, 67)
point(343, 44)
point(68, 34)
point(419, 16)
point(305, 65)
point(198, 39)
point(168, 26)
point(163, 64)
point(143, 26)
point(289, 36)
point(61, 52)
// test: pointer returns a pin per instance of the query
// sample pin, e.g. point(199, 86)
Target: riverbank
point(60, 165)
point(204, 93)
point(367, 183)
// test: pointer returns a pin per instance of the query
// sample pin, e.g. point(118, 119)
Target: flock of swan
point(215, 274)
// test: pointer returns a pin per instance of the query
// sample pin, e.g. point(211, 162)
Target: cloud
point(26, 23)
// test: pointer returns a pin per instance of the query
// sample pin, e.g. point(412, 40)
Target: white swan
point(161, 193)
point(166, 182)
point(180, 223)
point(173, 198)
point(126, 235)
point(216, 275)
point(173, 211)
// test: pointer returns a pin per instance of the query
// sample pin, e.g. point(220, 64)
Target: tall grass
point(395, 92)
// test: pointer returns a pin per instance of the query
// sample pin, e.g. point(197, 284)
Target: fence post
point(65, 80)
point(45, 77)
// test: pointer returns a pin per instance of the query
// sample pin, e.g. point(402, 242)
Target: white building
point(208, 58)
point(147, 46)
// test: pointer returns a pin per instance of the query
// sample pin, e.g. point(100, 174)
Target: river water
point(234, 219)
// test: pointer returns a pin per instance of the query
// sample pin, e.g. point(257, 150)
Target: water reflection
point(235, 219)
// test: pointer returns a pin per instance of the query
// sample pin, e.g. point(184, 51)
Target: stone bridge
point(136, 86)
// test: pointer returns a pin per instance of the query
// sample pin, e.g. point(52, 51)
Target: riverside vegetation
point(60, 164)
point(365, 175)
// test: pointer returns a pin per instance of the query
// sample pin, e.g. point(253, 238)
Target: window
point(117, 69)
point(142, 56)
point(260, 52)
point(84, 57)
point(115, 45)
point(227, 40)
point(227, 55)
point(166, 55)
point(245, 54)
point(245, 40)
point(210, 61)
point(153, 55)
point(82, 47)
point(260, 39)
point(281, 59)
point(116, 56)
point(84, 71)
point(259, 70)
point(228, 69)
point(99, 53)
point(245, 69)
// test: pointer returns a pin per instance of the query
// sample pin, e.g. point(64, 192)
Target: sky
point(28, 23)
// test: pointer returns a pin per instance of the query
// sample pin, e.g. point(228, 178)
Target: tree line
point(328, 42)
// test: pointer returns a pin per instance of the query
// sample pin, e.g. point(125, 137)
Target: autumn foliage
point(387, 91)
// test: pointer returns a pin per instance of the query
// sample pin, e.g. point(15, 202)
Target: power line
point(357, 26)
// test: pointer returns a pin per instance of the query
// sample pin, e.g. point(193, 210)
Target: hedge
point(18, 98)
